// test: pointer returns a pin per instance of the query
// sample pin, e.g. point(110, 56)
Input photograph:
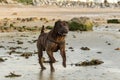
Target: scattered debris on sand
point(74, 36)
point(12, 74)
point(2, 46)
point(66, 43)
point(117, 49)
point(70, 47)
point(26, 54)
point(119, 30)
point(99, 52)
point(85, 48)
point(14, 48)
point(109, 43)
point(13, 51)
point(33, 41)
point(1, 59)
point(19, 42)
point(72, 50)
point(90, 63)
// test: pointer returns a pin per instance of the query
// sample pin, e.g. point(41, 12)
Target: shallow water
point(96, 40)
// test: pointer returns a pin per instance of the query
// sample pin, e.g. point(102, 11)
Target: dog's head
point(61, 28)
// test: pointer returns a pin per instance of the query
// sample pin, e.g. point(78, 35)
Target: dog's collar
point(56, 42)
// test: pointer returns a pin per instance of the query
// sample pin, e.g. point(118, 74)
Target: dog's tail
point(42, 30)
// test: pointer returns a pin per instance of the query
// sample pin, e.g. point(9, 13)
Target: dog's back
point(42, 38)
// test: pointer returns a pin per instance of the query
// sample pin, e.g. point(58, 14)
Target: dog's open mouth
point(62, 33)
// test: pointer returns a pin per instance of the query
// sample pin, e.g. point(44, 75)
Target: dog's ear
point(67, 23)
point(57, 23)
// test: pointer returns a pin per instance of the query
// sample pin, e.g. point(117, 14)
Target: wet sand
point(102, 39)
point(97, 41)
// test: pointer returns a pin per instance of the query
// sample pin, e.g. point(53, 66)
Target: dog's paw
point(43, 68)
point(64, 64)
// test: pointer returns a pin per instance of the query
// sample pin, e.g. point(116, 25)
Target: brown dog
point(52, 42)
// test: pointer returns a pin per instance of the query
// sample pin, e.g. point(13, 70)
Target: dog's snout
point(66, 30)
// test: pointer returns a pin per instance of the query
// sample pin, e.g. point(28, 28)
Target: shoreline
point(56, 12)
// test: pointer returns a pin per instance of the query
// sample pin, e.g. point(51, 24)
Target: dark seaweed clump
point(117, 21)
point(1, 59)
point(89, 63)
point(85, 48)
point(26, 55)
point(11, 75)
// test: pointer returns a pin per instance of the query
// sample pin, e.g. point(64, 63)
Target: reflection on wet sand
point(43, 76)
point(49, 76)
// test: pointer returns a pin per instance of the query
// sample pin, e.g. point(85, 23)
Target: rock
point(82, 23)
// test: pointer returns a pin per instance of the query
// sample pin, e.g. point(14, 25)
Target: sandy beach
point(57, 12)
point(102, 42)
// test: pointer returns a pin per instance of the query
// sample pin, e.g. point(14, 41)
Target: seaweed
point(26, 54)
point(90, 63)
point(12, 74)
point(1, 59)
point(85, 48)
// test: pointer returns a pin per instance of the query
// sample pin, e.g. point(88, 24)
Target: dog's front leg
point(63, 54)
point(52, 60)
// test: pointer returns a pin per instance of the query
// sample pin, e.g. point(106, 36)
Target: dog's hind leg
point(40, 55)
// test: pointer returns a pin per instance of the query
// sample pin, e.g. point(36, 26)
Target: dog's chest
point(55, 47)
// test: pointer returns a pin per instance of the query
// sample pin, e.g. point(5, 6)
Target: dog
point(51, 42)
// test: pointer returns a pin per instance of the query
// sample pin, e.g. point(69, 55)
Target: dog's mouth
point(62, 33)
